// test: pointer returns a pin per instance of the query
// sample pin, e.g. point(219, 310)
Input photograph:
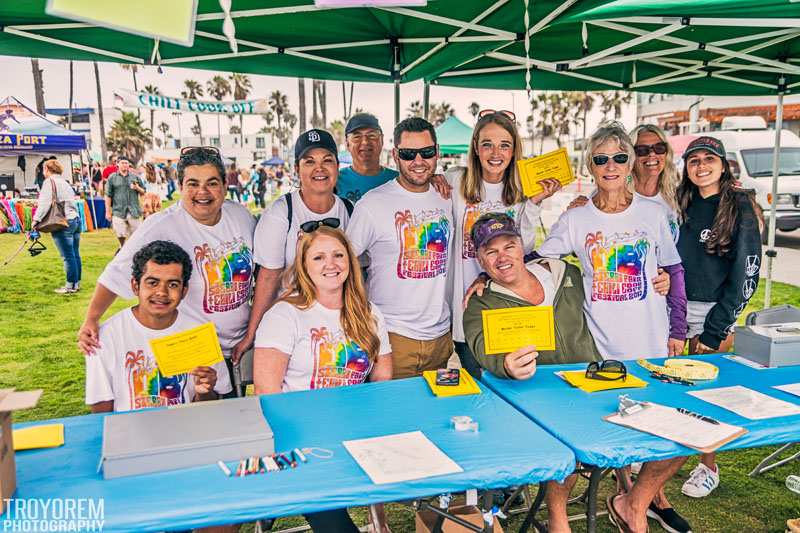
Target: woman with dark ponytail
point(720, 247)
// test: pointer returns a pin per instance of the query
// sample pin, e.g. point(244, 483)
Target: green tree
point(152, 89)
point(337, 130)
point(194, 90)
point(128, 136)
point(163, 127)
point(241, 90)
point(218, 88)
point(474, 108)
point(279, 105)
point(613, 101)
point(414, 110)
point(440, 112)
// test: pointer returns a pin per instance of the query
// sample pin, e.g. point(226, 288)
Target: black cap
point(362, 120)
point(315, 139)
point(711, 144)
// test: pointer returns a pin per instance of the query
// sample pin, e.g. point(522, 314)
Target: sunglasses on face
point(189, 150)
point(508, 114)
point(410, 154)
point(314, 225)
point(602, 159)
point(608, 370)
point(643, 150)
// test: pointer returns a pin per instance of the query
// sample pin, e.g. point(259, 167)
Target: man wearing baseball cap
point(365, 143)
point(123, 208)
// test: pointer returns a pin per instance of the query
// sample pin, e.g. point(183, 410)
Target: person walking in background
point(232, 178)
point(169, 174)
point(123, 190)
point(152, 196)
point(56, 189)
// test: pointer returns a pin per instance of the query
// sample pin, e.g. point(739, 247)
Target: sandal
point(614, 516)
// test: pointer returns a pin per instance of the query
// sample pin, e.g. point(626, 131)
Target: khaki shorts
point(124, 227)
point(411, 356)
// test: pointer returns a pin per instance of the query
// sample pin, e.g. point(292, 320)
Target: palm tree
point(320, 93)
point(71, 94)
point(100, 116)
point(38, 86)
point(474, 108)
point(613, 101)
point(337, 130)
point(193, 91)
point(414, 110)
point(218, 88)
point(152, 89)
point(133, 68)
point(348, 107)
point(163, 127)
point(269, 128)
point(301, 97)
point(241, 90)
point(440, 112)
point(128, 136)
point(279, 104)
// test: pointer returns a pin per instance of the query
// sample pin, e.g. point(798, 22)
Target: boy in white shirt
point(122, 375)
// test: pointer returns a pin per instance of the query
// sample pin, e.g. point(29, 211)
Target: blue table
point(576, 417)
point(508, 450)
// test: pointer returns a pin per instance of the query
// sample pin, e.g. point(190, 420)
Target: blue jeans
point(68, 242)
point(170, 189)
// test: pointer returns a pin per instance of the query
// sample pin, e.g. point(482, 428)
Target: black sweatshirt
point(729, 280)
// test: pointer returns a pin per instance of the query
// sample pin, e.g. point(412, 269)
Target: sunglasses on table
point(608, 370)
point(314, 225)
point(504, 112)
point(602, 159)
point(410, 154)
point(643, 150)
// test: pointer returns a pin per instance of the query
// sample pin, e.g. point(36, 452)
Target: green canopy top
point(679, 46)
point(454, 136)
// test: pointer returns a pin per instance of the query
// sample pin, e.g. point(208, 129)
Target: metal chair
point(774, 315)
point(242, 374)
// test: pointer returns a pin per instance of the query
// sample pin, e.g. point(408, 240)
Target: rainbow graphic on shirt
point(424, 238)
point(227, 272)
point(338, 361)
point(618, 264)
point(147, 387)
point(471, 214)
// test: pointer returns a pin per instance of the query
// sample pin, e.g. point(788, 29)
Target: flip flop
point(614, 516)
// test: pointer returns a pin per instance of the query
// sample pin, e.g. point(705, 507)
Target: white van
point(749, 146)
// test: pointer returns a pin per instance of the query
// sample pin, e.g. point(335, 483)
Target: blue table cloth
point(576, 417)
point(508, 450)
point(97, 210)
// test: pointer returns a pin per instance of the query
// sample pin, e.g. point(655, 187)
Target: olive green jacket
point(574, 342)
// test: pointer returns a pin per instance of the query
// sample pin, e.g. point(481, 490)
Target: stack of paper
point(747, 402)
point(47, 436)
point(466, 385)
point(669, 423)
point(577, 378)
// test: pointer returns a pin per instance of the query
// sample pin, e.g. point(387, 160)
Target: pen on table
point(697, 415)
point(224, 468)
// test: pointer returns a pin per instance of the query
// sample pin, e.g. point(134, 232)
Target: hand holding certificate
point(554, 164)
point(182, 352)
point(506, 330)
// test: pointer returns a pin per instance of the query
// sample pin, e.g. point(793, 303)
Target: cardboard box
point(11, 401)
point(425, 520)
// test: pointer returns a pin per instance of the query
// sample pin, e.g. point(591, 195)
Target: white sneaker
point(65, 290)
point(636, 468)
point(702, 481)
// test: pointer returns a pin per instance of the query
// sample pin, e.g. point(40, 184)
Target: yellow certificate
point(554, 164)
point(183, 352)
point(506, 330)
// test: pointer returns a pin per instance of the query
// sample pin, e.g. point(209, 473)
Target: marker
point(300, 455)
point(697, 415)
point(224, 468)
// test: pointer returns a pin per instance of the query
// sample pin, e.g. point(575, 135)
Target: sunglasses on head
point(642, 150)
point(505, 113)
point(209, 150)
point(602, 159)
point(608, 370)
point(314, 225)
point(410, 154)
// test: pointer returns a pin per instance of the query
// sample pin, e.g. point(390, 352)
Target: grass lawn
point(38, 350)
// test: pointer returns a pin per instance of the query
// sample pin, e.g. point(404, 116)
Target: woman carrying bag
point(57, 214)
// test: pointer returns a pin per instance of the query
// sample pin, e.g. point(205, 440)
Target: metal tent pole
point(771, 253)
point(426, 100)
point(396, 102)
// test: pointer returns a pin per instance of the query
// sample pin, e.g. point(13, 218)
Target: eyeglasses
point(602, 159)
point(314, 225)
point(643, 150)
point(505, 113)
point(190, 150)
point(608, 370)
point(410, 154)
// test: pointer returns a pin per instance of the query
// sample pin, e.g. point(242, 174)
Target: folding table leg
point(591, 499)
point(764, 465)
point(488, 504)
point(530, 517)
point(441, 515)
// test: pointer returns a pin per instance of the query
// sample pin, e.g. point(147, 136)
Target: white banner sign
point(125, 98)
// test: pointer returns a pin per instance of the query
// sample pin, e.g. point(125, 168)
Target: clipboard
point(555, 164)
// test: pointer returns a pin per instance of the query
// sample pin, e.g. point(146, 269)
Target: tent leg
point(771, 253)
point(426, 100)
point(396, 102)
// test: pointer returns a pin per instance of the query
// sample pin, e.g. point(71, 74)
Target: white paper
point(791, 388)
point(668, 423)
point(747, 402)
point(400, 457)
point(744, 361)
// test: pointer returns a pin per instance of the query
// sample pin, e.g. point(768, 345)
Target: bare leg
point(556, 499)
point(632, 506)
point(710, 460)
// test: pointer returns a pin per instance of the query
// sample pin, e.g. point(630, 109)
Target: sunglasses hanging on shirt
point(314, 225)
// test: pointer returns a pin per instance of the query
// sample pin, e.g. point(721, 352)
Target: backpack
point(348, 205)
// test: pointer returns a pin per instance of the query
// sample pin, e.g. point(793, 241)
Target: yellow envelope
point(48, 436)
point(182, 352)
point(466, 385)
point(577, 378)
point(555, 164)
point(506, 330)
